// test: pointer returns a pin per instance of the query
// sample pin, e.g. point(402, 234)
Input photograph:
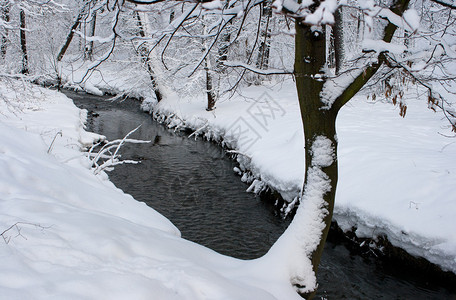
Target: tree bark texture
point(144, 54)
point(265, 36)
point(88, 54)
point(318, 119)
point(5, 15)
point(25, 69)
point(338, 35)
point(70, 35)
point(310, 58)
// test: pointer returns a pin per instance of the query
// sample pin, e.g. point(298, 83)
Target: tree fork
point(318, 120)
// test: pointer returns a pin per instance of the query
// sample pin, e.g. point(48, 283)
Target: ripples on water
point(192, 183)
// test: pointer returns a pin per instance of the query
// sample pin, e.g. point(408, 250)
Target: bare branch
point(444, 3)
point(7, 238)
point(255, 69)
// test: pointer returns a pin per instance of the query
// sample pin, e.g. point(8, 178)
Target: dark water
point(192, 183)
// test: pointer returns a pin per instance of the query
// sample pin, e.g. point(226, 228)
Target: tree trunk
point(88, 53)
point(222, 52)
point(319, 127)
point(211, 97)
point(338, 35)
point(25, 69)
point(144, 54)
point(301, 246)
point(265, 45)
point(71, 34)
point(5, 15)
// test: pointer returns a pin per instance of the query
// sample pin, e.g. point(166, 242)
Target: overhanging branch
point(398, 8)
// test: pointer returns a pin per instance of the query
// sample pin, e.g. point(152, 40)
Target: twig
point(7, 239)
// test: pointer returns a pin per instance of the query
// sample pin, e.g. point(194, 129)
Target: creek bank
point(391, 257)
point(369, 248)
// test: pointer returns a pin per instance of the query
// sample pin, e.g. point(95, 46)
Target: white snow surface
point(70, 234)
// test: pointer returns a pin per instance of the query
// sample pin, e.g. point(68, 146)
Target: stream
point(192, 183)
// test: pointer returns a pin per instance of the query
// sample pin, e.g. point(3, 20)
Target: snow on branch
point(238, 64)
point(109, 154)
point(446, 3)
point(99, 39)
point(107, 54)
point(306, 11)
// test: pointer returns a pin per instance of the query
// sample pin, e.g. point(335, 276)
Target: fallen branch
point(109, 154)
point(7, 238)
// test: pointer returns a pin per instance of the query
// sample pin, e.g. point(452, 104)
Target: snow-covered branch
point(238, 64)
point(109, 154)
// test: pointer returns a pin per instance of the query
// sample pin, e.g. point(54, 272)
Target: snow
point(412, 19)
point(216, 4)
point(381, 46)
point(70, 234)
point(396, 175)
point(80, 237)
point(308, 223)
point(322, 150)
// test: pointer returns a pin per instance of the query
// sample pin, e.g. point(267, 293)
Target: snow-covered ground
point(70, 234)
point(396, 175)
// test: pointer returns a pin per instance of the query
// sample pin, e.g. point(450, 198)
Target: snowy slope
point(68, 234)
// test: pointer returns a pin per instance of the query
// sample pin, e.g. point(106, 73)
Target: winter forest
point(337, 117)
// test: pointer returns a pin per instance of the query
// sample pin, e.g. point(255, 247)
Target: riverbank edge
point(378, 247)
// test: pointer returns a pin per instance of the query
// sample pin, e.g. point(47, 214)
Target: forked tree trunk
point(319, 125)
point(25, 69)
point(301, 246)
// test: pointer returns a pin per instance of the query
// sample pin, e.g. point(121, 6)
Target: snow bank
point(69, 234)
point(396, 175)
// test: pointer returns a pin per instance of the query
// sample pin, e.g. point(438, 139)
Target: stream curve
point(192, 183)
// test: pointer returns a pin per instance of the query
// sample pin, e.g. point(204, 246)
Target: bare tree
point(25, 69)
point(265, 36)
point(81, 15)
point(88, 52)
point(144, 52)
point(5, 16)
